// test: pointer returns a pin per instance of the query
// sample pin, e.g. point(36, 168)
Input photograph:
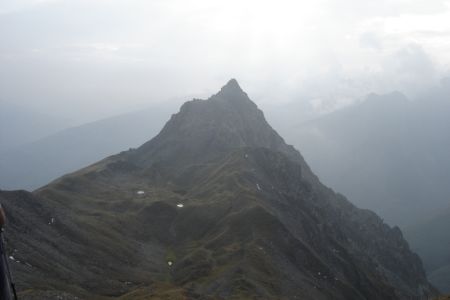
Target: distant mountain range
point(19, 125)
point(34, 164)
point(216, 206)
point(391, 155)
point(387, 153)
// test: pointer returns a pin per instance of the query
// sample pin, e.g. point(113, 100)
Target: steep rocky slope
point(216, 206)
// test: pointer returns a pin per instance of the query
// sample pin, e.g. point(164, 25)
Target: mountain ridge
point(216, 206)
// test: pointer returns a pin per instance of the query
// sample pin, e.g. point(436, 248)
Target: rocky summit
point(216, 206)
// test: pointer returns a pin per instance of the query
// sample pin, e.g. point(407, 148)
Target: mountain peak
point(232, 92)
point(232, 84)
point(204, 129)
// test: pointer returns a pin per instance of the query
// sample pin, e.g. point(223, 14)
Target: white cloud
point(11, 6)
point(371, 40)
point(329, 50)
point(361, 10)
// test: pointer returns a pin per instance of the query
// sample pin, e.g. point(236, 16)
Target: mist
point(93, 127)
point(86, 60)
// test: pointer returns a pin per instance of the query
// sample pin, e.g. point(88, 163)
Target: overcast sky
point(87, 59)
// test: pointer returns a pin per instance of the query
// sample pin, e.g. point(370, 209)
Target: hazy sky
point(87, 59)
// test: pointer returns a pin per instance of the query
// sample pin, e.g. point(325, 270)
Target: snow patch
point(258, 187)
point(140, 192)
point(170, 263)
point(180, 205)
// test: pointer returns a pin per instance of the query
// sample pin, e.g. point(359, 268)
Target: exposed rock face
point(216, 206)
point(205, 130)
